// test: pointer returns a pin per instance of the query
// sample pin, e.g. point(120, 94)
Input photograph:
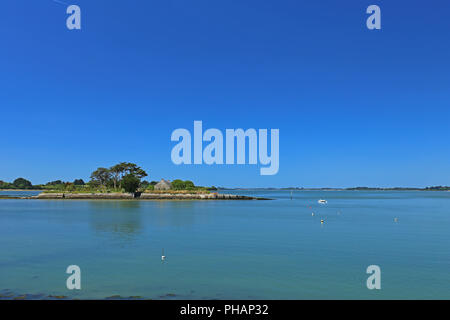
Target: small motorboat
point(322, 201)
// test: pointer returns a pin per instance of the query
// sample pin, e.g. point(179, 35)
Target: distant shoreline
point(339, 189)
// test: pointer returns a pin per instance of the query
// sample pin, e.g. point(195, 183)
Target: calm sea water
point(231, 249)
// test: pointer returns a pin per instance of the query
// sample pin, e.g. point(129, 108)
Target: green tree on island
point(130, 183)
point(119, 170)
point(136, 171)
point(189, 185)
point(115, 176)
point(54, 183)
point(78, 182)
point(144, 184)
point(101, 176)
point(178, 184)
point(21, 183)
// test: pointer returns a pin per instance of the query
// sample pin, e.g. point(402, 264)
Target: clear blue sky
point(354, 107)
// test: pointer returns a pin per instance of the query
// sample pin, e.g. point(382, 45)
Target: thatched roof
point(163, 185)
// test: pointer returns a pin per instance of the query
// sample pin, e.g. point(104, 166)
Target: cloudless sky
point(355, 107)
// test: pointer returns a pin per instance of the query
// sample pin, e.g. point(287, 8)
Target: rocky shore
point(142, 196)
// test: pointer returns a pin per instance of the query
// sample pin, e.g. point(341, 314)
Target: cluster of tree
point(124, 175)
point(147, 185)
point(438, 188)
point(60, 185)
point(19, 183)
point(182, 185)
point(179, 184)
point(76, 182)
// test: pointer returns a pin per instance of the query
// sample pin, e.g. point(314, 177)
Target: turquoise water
point(25, 193)
point(231, 249)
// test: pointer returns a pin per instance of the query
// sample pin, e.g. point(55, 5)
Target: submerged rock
point(114, 297)
point(57, 297)
point(168, 295)
point(119, 297)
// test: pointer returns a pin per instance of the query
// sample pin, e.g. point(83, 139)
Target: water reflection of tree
point(128, 219)
point(174, 213)
point(120, 219)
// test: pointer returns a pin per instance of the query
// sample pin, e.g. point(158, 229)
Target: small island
point(123, 181)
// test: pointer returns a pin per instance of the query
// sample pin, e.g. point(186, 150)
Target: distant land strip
point(433, 188)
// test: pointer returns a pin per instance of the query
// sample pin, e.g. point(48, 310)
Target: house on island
point(163, 185)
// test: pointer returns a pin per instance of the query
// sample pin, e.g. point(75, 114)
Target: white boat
point(322, 201)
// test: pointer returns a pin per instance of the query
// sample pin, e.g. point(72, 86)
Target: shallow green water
point(231, 249)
